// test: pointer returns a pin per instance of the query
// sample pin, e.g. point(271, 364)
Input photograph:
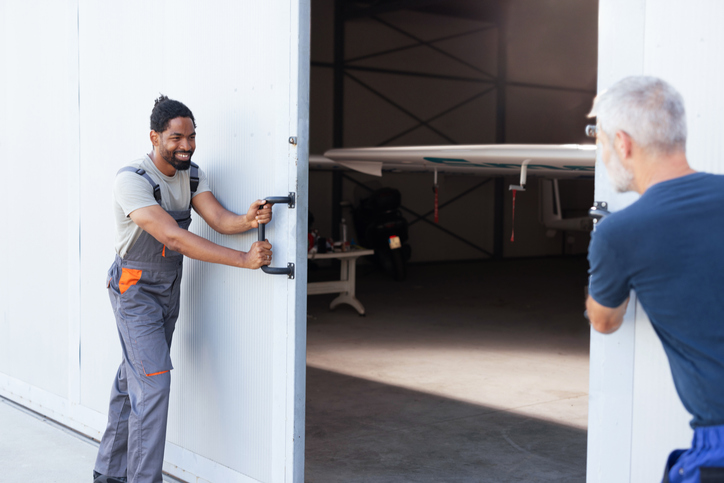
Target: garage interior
point(475, 367)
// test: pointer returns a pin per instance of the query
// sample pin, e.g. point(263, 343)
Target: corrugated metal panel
point(118, 84)
point(38, 289)
point(686, 62)
point(654, 401)
point(78, 111)
point(690, 63)
point(231, 63)
point(648, 420)
point(620, 53)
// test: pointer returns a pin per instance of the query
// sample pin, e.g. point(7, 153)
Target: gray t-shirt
point(132, 191)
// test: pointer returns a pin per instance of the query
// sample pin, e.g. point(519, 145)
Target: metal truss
point(412, 46)
point(385, 6)
point(452, 200)
point(431, 44)
point(346, 10)
point(405, 111)
point(345, 69)
point(423, 217)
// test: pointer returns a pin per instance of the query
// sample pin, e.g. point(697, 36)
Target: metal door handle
point(289, 269)
point(598, 211)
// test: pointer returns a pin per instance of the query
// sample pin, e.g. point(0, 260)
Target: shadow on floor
point(364, 431)
point(512, 326)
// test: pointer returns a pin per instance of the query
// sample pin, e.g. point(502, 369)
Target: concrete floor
point(35, 449)
point(466, 372)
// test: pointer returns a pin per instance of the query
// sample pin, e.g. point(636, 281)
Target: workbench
point(345, 286)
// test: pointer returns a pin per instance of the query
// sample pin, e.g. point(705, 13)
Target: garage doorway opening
point(475, 368)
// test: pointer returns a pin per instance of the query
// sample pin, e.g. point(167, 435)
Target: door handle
point(289, 269)
point(598, 212)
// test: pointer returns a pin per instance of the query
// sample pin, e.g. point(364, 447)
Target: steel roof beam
point(380, 8)
point(401, 109)
point(439, 115)
point(433, 47)
point(418, 44)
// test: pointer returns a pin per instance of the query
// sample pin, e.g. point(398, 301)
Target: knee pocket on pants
point(152, 353)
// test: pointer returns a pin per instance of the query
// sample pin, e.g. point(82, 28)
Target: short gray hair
point(646, 108)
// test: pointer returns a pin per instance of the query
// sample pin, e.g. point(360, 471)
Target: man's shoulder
point(201, 173)
point(708, 180)
point(705, 176)
point(130, 178)
point(125, 175)
point(620, 221)
point(127, 170)
point(198, 168)
point(696, 184)
point(646, 215)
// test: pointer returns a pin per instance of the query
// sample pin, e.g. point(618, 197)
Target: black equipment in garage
point(380, 225)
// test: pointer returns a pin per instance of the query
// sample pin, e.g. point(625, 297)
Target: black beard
point(170, 158)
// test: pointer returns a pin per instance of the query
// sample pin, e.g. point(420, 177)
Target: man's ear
point(155, 138)
point(623, 145)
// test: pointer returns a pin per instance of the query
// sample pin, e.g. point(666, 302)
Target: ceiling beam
point(380, 8)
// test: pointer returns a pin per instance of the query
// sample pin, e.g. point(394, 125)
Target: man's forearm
point(227, 222)
point(604, 319)
point(230, 223)
point(198, 248)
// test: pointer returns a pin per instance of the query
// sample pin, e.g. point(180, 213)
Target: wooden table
point(345, 286)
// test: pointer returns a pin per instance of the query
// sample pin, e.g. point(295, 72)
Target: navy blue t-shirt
point(669, 247)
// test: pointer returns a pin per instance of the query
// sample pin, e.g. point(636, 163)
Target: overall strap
point(142, 172)
point(194, 177)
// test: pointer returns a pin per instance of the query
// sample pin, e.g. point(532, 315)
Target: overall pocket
point(129, 278)
point(153, 354)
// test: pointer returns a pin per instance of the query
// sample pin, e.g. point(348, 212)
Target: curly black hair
point(165, 109)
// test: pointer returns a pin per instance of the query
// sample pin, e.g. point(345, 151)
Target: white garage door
point(237, 402)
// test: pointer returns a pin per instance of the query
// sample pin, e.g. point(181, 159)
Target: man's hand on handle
point(258, 255)
point(260, 212)
point(160, 225)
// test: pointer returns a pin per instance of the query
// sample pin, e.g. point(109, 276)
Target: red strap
point(437, 217)
point(512, 235)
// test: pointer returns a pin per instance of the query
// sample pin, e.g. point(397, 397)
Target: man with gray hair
point(668, 247)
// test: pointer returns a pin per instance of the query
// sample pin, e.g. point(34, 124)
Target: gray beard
point(621, 178)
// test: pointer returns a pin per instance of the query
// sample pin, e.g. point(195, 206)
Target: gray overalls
point(144, 289)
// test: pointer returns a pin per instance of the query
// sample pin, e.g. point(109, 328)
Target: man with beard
point(668, 247)
point(153, 198)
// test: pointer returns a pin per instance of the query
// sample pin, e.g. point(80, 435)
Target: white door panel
point(230, 62)
point(77, 112)
point(636, 417)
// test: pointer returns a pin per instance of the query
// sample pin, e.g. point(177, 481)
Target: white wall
point(39, 140)
point(78, 84)
point(635, 416)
